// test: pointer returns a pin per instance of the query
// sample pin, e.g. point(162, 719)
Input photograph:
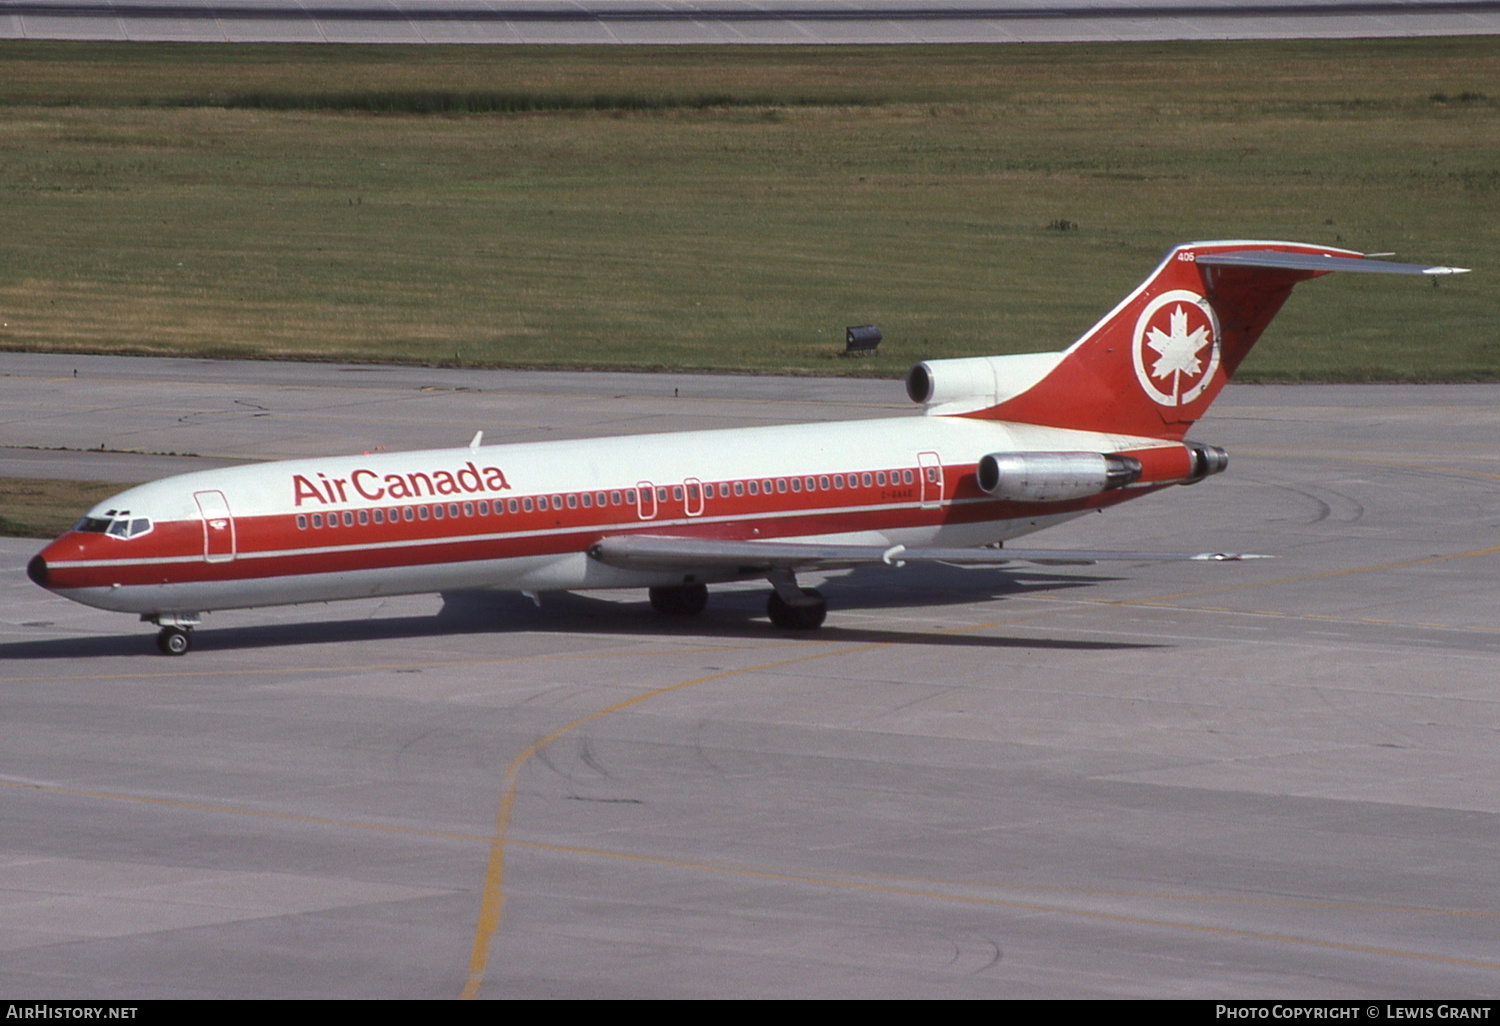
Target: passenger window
point(364, 518)
point(796, 484)
point(422, 513)
point(526, 504)
point(906, 477)
point(407, 514)
point(572, 500)
point(513, 505)
point(484, 507)
point(823, 483)
point(378, 516)
point(437, 511)
point(468, 509)
point(630, 496)
point(317, 520)
point(867, 480)
point(781, 484)
point(301, 521)
point(588, 500)
point(754, 488)
point(739, 488)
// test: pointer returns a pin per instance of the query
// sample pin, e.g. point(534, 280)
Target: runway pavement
point(1270, 779)
point(736, 21)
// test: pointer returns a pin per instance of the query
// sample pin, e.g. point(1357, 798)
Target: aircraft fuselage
point(524, 516)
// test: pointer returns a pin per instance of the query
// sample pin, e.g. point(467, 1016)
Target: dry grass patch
point(45, 508)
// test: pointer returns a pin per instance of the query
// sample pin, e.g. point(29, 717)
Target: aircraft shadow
point(736, 615)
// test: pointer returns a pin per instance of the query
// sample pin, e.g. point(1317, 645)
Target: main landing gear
point(174, 638)
point(790, 608)
point(684, 600)
point(808, 616)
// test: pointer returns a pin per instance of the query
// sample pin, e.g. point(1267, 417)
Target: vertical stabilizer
point(1153, 365)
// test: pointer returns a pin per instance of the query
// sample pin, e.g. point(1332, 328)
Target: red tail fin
point(1155, 362)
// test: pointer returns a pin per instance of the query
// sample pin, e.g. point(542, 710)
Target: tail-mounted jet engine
point(971, 383)
point(1207, 460)
point(1054, 476)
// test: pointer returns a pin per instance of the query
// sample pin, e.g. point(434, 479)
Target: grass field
point(733, 208)
point(44, 508)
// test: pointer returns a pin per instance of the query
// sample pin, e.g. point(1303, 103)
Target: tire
point(684, 600)
point(174, 641)
point(798, 618)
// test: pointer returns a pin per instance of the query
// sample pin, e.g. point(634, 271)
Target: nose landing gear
point(174, 641)
point(174, 638)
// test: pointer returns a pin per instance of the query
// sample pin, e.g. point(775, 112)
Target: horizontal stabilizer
point(659, 552)
point(1292, 261)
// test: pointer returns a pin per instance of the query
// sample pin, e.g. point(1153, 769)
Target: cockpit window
point(116, 526)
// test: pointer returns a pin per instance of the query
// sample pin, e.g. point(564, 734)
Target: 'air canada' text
point(372, 487)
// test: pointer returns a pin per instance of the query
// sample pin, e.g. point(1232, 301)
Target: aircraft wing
point(662, 552)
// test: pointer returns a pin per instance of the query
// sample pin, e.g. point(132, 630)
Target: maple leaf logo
point(1178, 348)
point(1176, 351)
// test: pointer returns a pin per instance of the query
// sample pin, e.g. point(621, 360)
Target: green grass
point(733, 208)
point(44, 508)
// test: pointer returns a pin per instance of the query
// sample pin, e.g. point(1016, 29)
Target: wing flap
point(664, 552)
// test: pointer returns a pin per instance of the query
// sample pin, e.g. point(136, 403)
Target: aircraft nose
point(37, 570)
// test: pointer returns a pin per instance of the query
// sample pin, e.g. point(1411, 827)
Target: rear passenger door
point(930, 469)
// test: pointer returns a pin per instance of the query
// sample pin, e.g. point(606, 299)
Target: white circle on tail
point(1176, 347)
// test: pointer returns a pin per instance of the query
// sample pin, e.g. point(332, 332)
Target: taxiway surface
point(1267, 779)
point(714, 22)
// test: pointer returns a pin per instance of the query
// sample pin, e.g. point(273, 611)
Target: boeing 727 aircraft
point(1009, 445)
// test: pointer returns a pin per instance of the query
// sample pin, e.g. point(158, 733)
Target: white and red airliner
point(1009, 445)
